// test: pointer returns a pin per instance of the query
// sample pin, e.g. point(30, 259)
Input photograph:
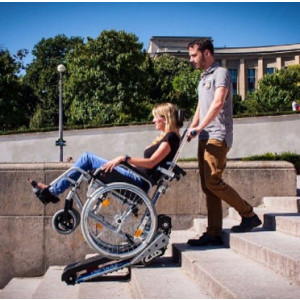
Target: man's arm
point(196, 118)
point(213, 112)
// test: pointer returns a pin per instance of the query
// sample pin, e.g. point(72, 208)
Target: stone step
point(20, 288)
point(291, 204)
point(164, 279)
point(51, 287)
point(104, 290)
point(227, 274)
point(283, 221)
point(140, 277)
point(178, 236)
point(200, 225)
point(217, 272)
point(287, 223)
point(277, 251)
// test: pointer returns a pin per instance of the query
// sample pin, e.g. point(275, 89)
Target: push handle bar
point(193, 133)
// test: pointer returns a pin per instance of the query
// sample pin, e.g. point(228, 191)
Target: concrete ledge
point(28, 244)
point(252, 180)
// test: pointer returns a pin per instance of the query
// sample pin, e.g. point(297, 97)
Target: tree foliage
point(277, 91)
point(42, 76)
point(166, 68)
point(238, 104)
point(108, 80)
point(185, 85)
point(16, 99)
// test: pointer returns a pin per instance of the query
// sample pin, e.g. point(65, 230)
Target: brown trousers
point(212, 162)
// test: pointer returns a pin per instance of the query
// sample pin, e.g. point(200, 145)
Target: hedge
point(291, 157)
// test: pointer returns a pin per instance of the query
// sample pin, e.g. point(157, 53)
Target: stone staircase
point(264, 263)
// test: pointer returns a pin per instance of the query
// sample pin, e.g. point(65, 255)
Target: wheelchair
point(118, 220)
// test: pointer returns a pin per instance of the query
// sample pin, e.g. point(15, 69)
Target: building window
point(219, 61)
point(251, 80)
point(270, 70)
point(233, 73)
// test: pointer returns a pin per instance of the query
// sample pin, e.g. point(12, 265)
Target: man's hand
point(192, 132)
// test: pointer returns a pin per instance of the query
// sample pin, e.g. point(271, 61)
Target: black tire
point(65, 224)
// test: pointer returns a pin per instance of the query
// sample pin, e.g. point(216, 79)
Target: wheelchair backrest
point(180, 117)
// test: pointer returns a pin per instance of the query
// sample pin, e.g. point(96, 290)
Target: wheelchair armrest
point(174, 171)
point(178, 171)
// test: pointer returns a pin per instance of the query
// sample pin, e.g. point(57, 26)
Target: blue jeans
point(88, 162)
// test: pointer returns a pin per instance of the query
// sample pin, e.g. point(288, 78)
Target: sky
point(234, 24)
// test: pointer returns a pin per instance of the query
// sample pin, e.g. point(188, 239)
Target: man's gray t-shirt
point(221, 128)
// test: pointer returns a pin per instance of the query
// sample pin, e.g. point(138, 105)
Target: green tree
point(185, 85)
point(108, 80)
point(166, 68)
point(277, 91)
point(16, 99)
point(42, 76)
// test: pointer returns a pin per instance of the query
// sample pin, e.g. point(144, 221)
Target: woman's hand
point(110, 165)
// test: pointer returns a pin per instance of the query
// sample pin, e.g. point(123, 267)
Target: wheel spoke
point(113, 228)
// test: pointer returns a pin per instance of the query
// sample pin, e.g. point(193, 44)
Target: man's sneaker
point(247, 224)
point(206, 240)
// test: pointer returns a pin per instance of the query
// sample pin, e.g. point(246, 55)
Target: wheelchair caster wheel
point(65, 223)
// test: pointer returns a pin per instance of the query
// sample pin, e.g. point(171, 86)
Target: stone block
point(28, 244)
point(21, 247)
point(16, 195)
point(63, 249)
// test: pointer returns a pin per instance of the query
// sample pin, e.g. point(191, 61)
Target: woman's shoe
point(43, 194)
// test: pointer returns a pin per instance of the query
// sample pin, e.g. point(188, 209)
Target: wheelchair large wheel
point(118, 221)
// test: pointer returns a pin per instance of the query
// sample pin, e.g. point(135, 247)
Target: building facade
point(247, 65)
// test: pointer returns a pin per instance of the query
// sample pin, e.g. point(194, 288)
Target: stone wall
point(251, 136)
point(28, 244)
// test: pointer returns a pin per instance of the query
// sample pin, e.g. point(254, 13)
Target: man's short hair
point(202, 45)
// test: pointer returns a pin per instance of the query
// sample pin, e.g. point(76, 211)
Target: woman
point(162, 149)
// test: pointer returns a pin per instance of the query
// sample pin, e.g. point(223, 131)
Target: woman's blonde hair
point(170, 112)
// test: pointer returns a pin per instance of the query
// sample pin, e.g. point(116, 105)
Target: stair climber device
point(98, 268)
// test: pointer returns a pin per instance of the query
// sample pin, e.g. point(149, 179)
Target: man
point(294, 106)
point(214, 124)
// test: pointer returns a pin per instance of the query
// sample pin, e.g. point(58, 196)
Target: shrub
point(293, 158)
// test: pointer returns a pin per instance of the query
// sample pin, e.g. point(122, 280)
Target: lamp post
point(60, 142)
